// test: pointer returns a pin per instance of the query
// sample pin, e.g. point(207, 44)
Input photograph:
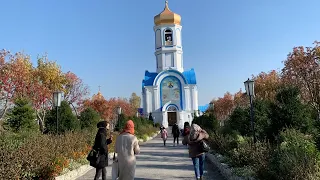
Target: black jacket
point(175, 130)
point(101, 144)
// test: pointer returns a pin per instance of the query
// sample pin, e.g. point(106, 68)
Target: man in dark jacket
point(101, 145)
point(175, 133)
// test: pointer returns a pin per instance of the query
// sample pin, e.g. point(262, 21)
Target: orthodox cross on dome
point(99, 87)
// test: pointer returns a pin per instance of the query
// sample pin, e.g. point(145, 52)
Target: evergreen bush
point(67, 121)
point(22, 117)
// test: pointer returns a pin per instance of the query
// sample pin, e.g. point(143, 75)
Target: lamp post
point(211, 107)
point(119, 113)
point(249, 85)
point(57, 103)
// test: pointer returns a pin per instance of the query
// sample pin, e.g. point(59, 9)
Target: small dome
point(167, 17)
point(98, 96)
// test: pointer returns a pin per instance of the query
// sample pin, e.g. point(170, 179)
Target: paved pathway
point(166, 163)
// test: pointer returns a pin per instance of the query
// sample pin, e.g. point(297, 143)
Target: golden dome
point(98, 96)
point(167, 17)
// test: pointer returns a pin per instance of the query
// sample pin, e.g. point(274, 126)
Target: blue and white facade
point(170, 93)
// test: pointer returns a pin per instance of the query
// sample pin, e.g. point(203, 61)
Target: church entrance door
point(172, 118)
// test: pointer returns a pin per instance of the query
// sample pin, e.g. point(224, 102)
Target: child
point(164, 135)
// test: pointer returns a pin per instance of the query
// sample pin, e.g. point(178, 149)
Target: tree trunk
point(4, 110)
point(75, 110)
point(41, 121)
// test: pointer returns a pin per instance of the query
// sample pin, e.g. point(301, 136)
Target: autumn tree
point(47, 78)
point(266, 85)
point(301, 69)
point(135, 100)
point(74, 90)
point(224, 106)
point(241, 99)
point(15, 77)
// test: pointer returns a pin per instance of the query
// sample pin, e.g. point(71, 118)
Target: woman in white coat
point(127, 147)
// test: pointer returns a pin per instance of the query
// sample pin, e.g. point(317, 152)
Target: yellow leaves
point(50, 74)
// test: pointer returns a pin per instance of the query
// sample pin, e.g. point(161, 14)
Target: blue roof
point(203, 108)
point(190, 76)
point(148, 78)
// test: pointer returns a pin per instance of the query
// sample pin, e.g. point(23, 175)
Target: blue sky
point(111, 43)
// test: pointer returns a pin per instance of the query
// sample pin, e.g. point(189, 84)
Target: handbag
point(204, 146)
point(93, 157)
point(115, 168)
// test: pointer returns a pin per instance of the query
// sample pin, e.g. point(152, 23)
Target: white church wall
point(158, 38)
point(178, 36)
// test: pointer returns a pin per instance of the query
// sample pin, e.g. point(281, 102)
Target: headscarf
point(129, 128)
point(194, 132)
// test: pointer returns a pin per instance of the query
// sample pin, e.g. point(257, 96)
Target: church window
point(168, 37)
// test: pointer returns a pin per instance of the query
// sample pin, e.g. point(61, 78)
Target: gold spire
point(167, 17)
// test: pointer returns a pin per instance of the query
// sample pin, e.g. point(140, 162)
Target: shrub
point(296, 157)
point(207, 122)
point(289, 112)
point(44, 156)
point(157, 125)
point(67, 121)
point(89, 119)
point(22, 117)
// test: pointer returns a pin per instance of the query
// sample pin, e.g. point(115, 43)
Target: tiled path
point(166, 163)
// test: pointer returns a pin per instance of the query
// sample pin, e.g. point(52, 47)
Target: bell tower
point(168, 46)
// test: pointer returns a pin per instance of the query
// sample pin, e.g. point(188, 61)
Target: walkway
point(167, 163)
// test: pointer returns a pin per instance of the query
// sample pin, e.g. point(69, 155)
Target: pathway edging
point(223, 168)
point(74, 174)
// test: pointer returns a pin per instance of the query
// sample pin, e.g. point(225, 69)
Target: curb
point(223, 168)
point(74, 174)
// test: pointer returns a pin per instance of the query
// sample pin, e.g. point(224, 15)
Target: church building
point(170, 93)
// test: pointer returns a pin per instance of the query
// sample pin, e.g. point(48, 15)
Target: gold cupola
point(167, 17)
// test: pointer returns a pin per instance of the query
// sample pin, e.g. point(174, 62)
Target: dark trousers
point(164, 142)
point(176, 138)
point(98, 173)
point(198, 164)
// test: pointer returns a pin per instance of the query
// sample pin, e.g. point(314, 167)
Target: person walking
point(127, 147)
point(195, 150)
point(101, 145)
point(164, 135)
point(175, 133)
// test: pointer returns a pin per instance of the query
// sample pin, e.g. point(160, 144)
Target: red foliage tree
point(266, 84)
point(302, 69)
point(74, 90)
point(224, 106)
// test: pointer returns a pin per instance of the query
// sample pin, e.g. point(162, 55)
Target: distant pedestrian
point(101, 145)
point(196, 152)
point(176, 134)
point(164, 135)
point(127, 147)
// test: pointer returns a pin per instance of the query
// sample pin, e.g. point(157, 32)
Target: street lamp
point(211, 105)
point(119, 113)
point(249, 85)
point(57, 103)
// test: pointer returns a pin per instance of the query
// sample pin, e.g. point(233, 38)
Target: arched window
point(168, 37)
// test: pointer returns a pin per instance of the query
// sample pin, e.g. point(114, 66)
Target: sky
point(111, 43)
